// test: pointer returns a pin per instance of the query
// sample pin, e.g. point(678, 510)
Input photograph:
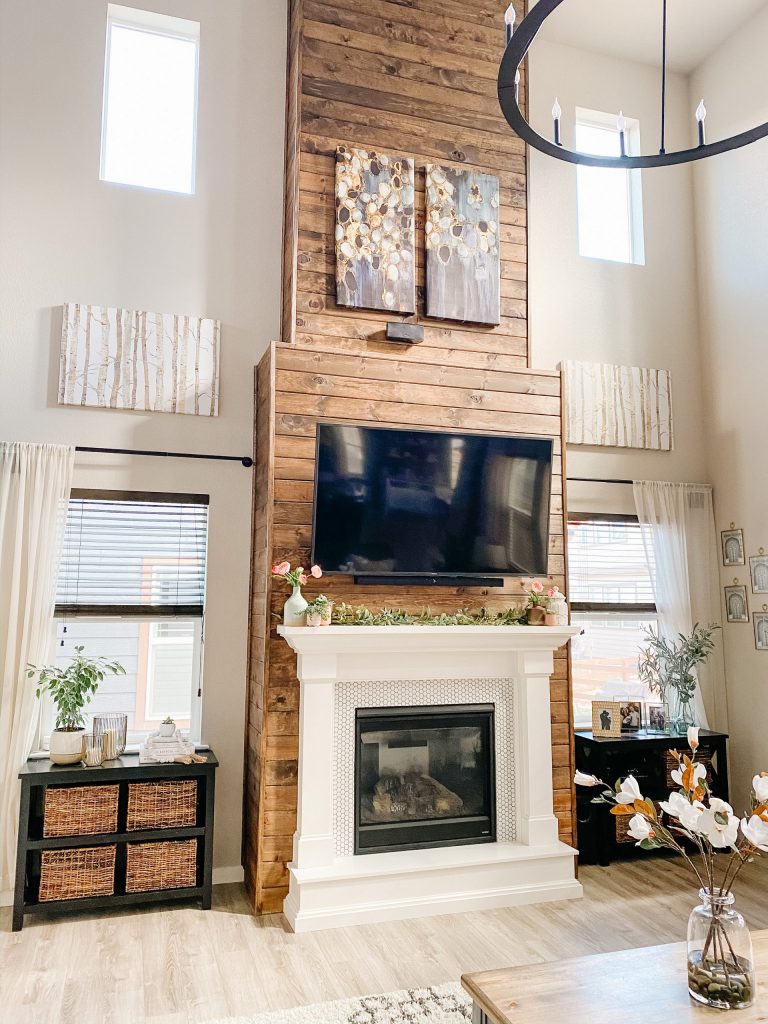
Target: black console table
point(154, 846)
point(602, 836)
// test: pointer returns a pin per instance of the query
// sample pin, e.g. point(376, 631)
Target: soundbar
point(428, 581)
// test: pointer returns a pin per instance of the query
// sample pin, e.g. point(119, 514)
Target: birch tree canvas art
point(128, 359)
point(462, 240)
point(618, 406)
point(375, 231)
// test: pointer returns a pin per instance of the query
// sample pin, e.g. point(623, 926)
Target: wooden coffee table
point(632, 987)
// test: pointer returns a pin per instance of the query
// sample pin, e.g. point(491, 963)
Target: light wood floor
point(183, 966)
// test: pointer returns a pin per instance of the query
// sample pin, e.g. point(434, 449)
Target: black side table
point(37, 776)
point(642, 754)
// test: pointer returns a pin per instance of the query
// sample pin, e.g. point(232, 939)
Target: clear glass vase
point(720, 960)
point(685, 717)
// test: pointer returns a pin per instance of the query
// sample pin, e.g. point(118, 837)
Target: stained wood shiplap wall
point(415, 77)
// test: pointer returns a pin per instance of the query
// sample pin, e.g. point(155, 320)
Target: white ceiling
point(631, 29)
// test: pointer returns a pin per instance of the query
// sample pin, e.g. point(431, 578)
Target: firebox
point(424, 777)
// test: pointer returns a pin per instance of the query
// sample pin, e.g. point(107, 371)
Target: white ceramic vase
point(67, 746)
point(294, 609)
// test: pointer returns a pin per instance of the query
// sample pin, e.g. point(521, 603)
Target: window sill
point(131, 748)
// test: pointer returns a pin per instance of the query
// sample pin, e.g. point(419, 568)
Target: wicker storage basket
point(78, 873)
point(80, 810)
point(162, 804)
point(167, 865)
point(703, 756)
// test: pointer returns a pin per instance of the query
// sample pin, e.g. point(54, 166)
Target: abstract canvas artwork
point(462, 240)
point(618, 406)
point(128, 359)
point(375, 234)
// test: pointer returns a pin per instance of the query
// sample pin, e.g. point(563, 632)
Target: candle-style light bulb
point(557, 113)
point(621, 124)
point(509, 20)
point(517, 84)
point(701, 116)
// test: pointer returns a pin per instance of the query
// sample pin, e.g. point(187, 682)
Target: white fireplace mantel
point(328, 889)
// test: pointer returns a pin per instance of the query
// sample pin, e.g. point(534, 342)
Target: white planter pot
point(67, 747)
point(167, 730)
point(314, 619)
point(294, 609)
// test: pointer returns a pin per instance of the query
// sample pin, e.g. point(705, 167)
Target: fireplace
point(424, 777)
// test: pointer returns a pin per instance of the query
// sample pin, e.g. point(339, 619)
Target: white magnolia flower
point(760, 786)
point(583, 779)
point(693, 736)
point(640, 829)
point(699, 775)
point(719, 835)
point(688, 814)
point(755, 831)
point(629, 791)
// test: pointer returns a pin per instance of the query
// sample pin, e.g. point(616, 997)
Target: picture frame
point(631, 712)
point(657, 717)
point(760, 624)
point(758, 572)
point(606, 719)
point(732, 545)
point(736, 606)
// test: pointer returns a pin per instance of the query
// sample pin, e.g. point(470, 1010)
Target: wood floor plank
point(179, 965)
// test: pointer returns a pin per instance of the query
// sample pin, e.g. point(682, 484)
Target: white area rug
point(439, 1004)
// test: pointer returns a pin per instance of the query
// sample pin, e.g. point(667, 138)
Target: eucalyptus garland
point(359, 615)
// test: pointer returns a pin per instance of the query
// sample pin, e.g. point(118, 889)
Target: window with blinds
point(611, 592)
point(141, 556)
point(608, 566)
point(131, 588)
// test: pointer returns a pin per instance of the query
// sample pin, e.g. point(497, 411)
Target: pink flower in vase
point(537, 587)
point(316, 571)
point(281, 568)
point(303, 579)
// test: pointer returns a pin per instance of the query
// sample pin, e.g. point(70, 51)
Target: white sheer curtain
point(679, 526)
point(35, 481)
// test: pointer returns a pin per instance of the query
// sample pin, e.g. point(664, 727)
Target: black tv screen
point(426, 503)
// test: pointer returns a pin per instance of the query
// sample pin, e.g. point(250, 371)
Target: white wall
point(732, 226)
point(598, 311)
point(66, 236)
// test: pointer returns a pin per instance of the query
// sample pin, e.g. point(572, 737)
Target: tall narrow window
point(150, 100)
point(610, 204)
point(611, 596)
point(131, 587)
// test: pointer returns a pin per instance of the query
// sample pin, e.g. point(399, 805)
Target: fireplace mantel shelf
point(370, 639)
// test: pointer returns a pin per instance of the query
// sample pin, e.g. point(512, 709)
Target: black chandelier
point(519, 42)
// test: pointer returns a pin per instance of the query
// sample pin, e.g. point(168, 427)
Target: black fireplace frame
point(435, 832)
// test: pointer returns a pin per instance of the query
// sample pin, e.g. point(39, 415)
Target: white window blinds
point(141, 557)
point(607, 565)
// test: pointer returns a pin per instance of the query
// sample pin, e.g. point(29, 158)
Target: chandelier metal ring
point(515, 54)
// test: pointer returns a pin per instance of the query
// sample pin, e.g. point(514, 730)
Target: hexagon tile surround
point(348, 696)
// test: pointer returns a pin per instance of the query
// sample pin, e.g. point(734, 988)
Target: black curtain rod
point(244, 460)
point(597, 480)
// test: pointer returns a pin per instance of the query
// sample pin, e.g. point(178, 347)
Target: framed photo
point(657, 717)
point(736, 608)
point(760, 622)
point(606, 718)
point(732, 542)
point(631, 711)
point(758, 570)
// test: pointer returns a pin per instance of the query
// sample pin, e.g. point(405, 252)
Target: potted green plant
point(667, 665)
point(319, 611)
point(167, 727)
point(71, 688)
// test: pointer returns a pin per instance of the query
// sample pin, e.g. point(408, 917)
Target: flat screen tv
point(428, 503)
